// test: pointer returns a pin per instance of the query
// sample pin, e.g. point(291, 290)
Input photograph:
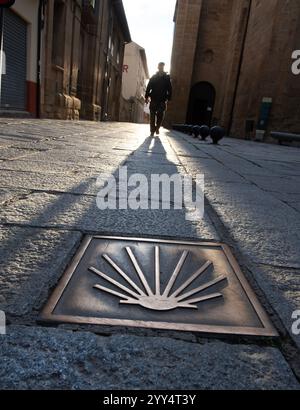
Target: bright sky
point(151, 26)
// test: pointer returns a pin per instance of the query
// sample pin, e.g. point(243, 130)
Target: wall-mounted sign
point(125, 68)
point(265, 111)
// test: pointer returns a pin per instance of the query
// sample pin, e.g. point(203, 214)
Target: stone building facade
point(83, 50)
point(231, 65)
point(63, 59)
point(135, 75)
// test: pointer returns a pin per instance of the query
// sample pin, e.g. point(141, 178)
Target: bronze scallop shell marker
point(157, 300)
point(162, 284)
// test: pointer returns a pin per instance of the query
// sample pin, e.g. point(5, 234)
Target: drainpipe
point(100, 86)
point(108, 65)
point(38, 76)
point(74, 10)
point(239, 69)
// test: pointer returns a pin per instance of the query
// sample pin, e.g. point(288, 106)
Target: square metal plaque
point(161, 284)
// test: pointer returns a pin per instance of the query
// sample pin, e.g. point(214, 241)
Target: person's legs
point(161, 109)
point(152, 121)
point(160, 118)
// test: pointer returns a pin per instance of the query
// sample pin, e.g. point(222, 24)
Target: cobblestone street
point(48, 195)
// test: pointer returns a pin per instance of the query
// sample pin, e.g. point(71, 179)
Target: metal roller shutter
point(15, 46)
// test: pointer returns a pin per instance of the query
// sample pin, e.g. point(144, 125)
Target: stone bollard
point(217, 133)
point(196, 131)
point(204, 132)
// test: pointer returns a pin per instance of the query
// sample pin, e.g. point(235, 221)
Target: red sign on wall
point(6, 3)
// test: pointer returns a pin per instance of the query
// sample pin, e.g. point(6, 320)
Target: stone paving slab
point(238, 193)
point(243, 162)
point(211, 169)
point(282, 184)
point(156, 160)
point(282, 287)
point(269, 237)
point(81, 213)
point(28, 144)
point(56, 167)
point(67, 156)
point(78, 183)
point(265, 228)
point(295, 205)
point(9, 153)
point(241, 166)
point(281, 168)
point(265, 152)
point(31, 262)
point(8, 194)
point(149, 168)
point(288, 199)
point(159, 159)
point(40, 358)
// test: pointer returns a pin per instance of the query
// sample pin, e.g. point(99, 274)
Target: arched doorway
point(201, 104)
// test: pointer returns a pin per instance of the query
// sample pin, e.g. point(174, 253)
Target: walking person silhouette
point(159, 91)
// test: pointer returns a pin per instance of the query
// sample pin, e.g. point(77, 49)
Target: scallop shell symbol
point(158, 300)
